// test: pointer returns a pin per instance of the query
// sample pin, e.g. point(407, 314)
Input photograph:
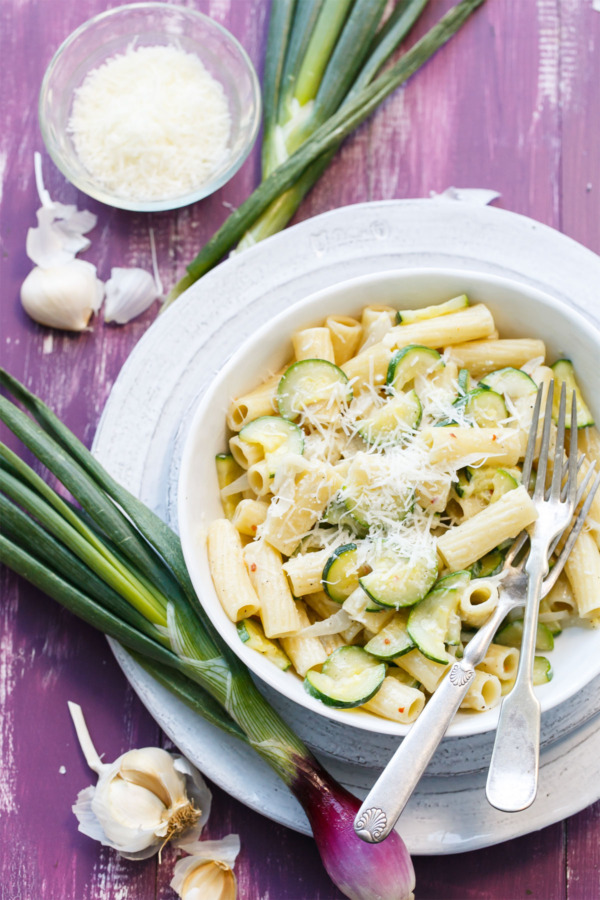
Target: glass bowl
point(141, 25)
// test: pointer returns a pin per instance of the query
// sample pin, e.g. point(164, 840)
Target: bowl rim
point(180, 200)
point(281, 682)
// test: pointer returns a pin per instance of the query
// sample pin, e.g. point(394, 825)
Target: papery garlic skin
point(64, 296)
point(208, 873)
point(142, 800)
point(129, 293)
point(58, 237)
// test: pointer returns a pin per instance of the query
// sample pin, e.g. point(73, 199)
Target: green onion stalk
point(115, 564)
point(321, 82)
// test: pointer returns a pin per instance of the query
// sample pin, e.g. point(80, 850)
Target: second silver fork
point(514, 767)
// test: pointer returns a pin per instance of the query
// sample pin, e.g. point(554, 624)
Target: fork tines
point(560, 467)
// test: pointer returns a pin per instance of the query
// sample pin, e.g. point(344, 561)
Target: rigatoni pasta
point(376, 482)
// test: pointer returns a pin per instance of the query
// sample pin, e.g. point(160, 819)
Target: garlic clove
point(208, 880)
point(152, 769)
point(129, 293)
point(208, 873)
point(134, 807)
point(63, 296)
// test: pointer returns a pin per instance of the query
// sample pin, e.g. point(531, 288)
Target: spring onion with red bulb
point(118, 566)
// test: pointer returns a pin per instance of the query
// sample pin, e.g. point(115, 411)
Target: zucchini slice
point(311, 383)
point(393, 640)
point(403, 676)
point(273, 434)
point(485, 406)
point(340, 573)
point(564, 371)
point(542, 674)
point(454, 633)
point(409, 362)
point(542, 670)
point(488, 565)
point(396, 582)
point(494, 483)
point(453, 581)
point(251, 633)
point(462, 485)
point(393, 420)
point(512, 383)
point(337, 513)
point(408, 316)
point(464, 381)
point(430, 621)
point(348, 678)
point(511, 635)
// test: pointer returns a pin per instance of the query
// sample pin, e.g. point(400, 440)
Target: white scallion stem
point(83, 736)
point(43, 194)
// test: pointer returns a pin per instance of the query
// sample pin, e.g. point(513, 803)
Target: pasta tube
point(230, 577)
point(313, 343)
point(466, 543)
point(287, 523)
point(498, 446)
point(278, 611)
point(304, 652)
point(345, 336)
point(396, 701)
point(482, 357)
point(583, 571)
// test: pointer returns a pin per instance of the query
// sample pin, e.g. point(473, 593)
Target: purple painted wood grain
point(511, 104)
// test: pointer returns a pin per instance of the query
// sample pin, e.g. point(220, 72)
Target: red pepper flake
point(386, 641)
point(494, 438)
point(452, 434)
point(254, 527)
point(253, 567)
point(400, 709)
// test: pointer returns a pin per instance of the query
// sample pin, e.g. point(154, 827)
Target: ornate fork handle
point(391, 792)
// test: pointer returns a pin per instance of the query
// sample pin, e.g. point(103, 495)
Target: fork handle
point(514, 767)
point(394, 787)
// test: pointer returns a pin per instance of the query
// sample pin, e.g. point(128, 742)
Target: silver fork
point(513, 774)
point(390, 794)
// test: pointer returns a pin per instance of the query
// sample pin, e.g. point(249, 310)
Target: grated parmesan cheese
point(150, 123)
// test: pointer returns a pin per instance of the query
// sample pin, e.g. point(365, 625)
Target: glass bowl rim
point(90, 187)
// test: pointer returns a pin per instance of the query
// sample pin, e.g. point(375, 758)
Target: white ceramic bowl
point(519, 311)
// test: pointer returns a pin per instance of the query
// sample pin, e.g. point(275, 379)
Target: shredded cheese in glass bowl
point(149, 107)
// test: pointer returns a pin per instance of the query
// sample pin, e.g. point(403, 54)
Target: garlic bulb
point(129, 293)
point(64, 296)
point(208, 873)
point(142, 800)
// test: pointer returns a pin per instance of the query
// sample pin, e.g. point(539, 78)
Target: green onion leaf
point(327, 137)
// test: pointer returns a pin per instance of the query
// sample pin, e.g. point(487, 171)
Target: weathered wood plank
point(580, 122)
point(510, 104)
point(529, 867)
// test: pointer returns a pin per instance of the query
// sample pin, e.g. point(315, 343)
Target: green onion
point(101, 562)
point(304, 125)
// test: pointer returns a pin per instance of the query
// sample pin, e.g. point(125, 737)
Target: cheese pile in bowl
point(150, 123)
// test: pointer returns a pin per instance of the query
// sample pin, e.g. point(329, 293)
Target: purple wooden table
point(512, 104)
